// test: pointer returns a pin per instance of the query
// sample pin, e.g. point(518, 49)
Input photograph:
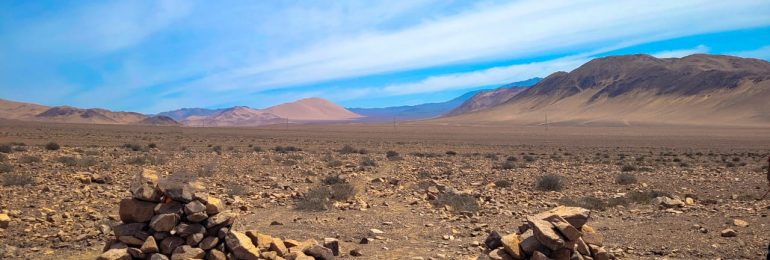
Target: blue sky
point(152, 56)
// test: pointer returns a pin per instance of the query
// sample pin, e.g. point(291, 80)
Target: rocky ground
point(414, 192)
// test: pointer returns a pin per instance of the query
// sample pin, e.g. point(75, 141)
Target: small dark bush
point(3, 157)
point(730, 164)
point(528, 158)
point(285, 149)
point(289, 162)
point(368, 162)
point(52, 146)
point(393, 155)
point(628, 168)
point(458, 202)
point(491, 156)
point(625, 179)
point(133, 147)
point(236, 189)
point(4, 168)
point(29, 159)
point(257, 149)
point(503, 183)
point(549, 182)
point(321, 198)
point(334, 163)
point(507, 165)
point(736, 159)
point(4, 148)
point(333, 179)
point(68, 160)
point(511, 158)
point(642, 197)
point(152, 145)
point(147, 160)
point(16, 179)
point(217, 149)
point(342, 191)
point(207, 170)
point(451, 153)
point(317, 199)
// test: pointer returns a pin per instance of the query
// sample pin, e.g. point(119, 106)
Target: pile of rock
point(560, 233)
point(174, 221)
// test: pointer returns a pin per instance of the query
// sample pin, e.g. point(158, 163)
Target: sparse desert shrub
point(133, 147)
point(217, 149)
point(625, 179)
point(4, 148)
point(451, 153)
point(628, 168)
point(285, 149)
point(528, 158)
point(3, 157)
point(423, 174)
point(207, 170)
point(16, 179)
point(332, 179)
point(342, 191)
point(68, 161)
point(316, 199)
point(236, 189)
point(152, 145)
point(29, 159)
point(334, 163)
point(511, 158)
point(641, 197)
point(347, 149)
point(146, 159)
point(507, 165)
point(503, 183)
point(257, 149)
point(289, 162)
point(368, 162)
point(491, 156)
point(5, 168)
point(51, 146)
point(730, 164)
point(549, 182)
point(392, 155)
point(457, 202)
point(87, 162)
point(736, 159)
point(321, 198)
point(20, 148)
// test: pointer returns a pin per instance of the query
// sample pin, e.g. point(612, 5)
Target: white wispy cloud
point(682, 52)
point(512, 30)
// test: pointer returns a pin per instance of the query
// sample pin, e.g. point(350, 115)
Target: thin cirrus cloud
point(514, 30)
point(682, 52)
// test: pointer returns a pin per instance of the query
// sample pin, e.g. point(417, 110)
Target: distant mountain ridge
point(423, 111)
point(640, 89)
point(489, 98)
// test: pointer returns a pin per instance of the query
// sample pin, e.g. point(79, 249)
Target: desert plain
point(398, 191)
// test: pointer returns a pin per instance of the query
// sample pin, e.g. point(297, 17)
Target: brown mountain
point(640, 89)
point(312, 109)
point(236, 116)
point(19, 110)
point(487, 99)
point(67, 114)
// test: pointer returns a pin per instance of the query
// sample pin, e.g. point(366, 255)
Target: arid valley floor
point(62, 203)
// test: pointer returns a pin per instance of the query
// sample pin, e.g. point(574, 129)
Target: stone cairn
point(560, 233)
point(176, 222)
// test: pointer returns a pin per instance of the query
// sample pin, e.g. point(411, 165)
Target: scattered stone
point(728, 233)
point(164, 222)
point(511, 246)
point(740, 223)
point(187, 252)
point(333, 244)
point(5, 220)
point(241, 246)
point(319, 252)
point(145, 186)
point(149, 246)
point(115, 254)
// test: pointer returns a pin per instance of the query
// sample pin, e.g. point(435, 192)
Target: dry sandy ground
point(61, 212)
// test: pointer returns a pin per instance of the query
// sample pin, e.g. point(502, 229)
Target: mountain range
point(615, 90)
point(427, 110)
point(642, 90)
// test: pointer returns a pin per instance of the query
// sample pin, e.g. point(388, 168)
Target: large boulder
point(241, 246)
point(134, 210)
point(145, 186)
